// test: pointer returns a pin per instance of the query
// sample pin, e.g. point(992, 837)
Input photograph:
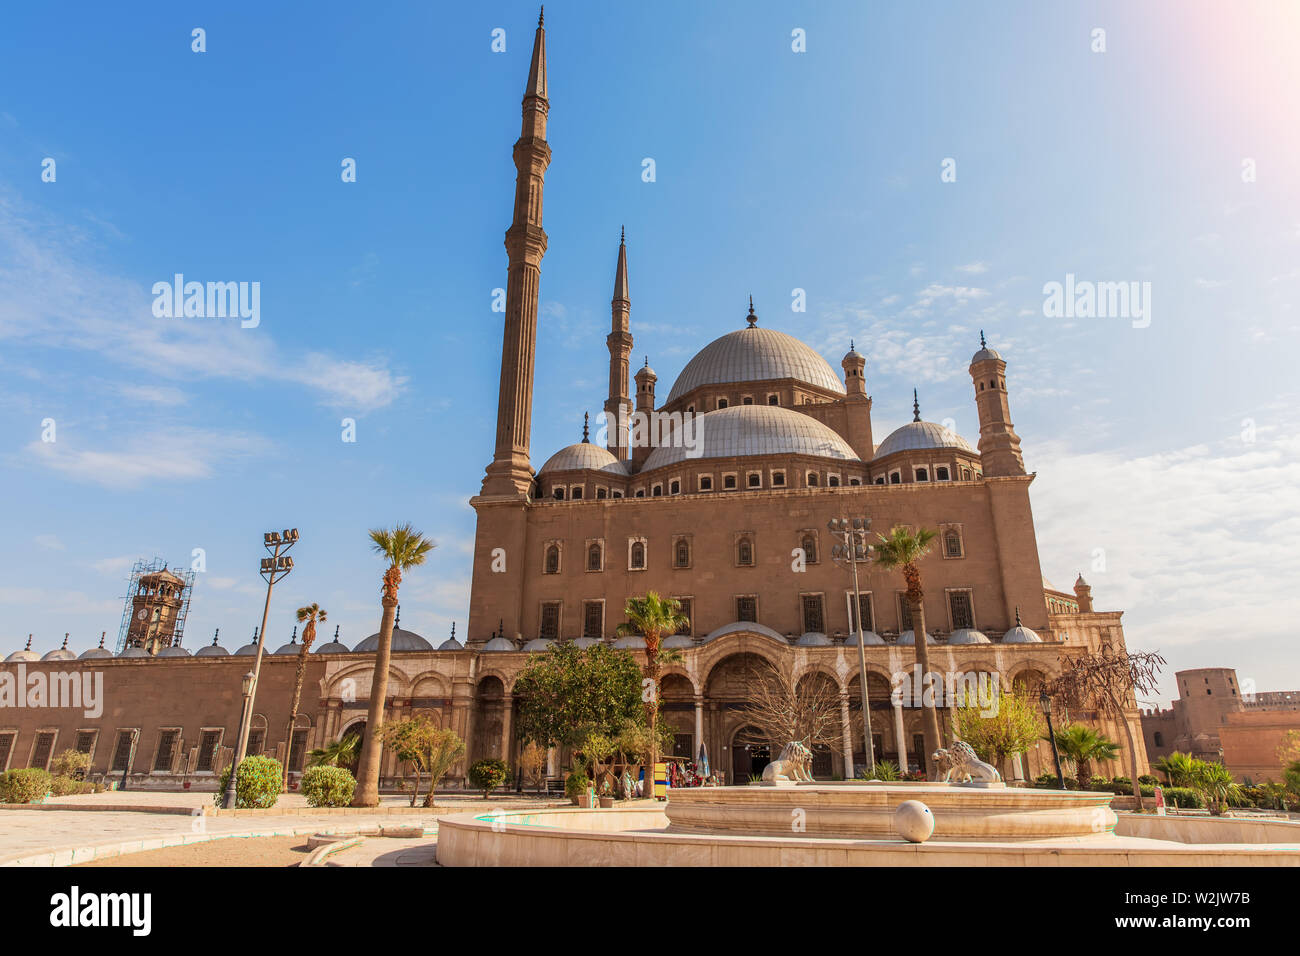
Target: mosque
point(723, 506)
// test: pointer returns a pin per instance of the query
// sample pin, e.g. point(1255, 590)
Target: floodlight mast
point(853, 550)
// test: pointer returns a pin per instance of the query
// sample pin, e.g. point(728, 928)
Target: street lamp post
point(1045, 702)
point(130, 756)
point(853, 549)
point(273, 569)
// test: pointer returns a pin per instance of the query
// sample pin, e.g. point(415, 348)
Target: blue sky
point(1174, 448)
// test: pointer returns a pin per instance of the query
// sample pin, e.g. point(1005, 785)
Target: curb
point(322, 853)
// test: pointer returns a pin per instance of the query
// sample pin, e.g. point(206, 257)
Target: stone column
point(900, 738)
point(699, 724)
point(847, 729)
point(507, 713)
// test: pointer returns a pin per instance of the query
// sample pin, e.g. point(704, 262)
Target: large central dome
point(755, 355)
point(743, 430)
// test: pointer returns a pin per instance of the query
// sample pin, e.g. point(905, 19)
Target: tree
point(1288, 751)
point(532, 760)
point(599, 750)
point(402, 547)
point(1014, 726)
point(1291, 777)
point(1081, 745)
point(569, 691)
point(341, 753)
point(1177, 768)
point(72, 764)
point(1109, 683)
point(652, 617)
point(488, 774)
point(900, 551)
point(421, 743)
point(1214, 781)
point(636, 742)
point(785, 709)
point(307, 616)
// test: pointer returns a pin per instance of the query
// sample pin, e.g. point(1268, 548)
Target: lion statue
point(792, 766)
point(958, 763)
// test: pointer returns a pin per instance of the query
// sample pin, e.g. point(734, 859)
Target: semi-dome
point(813, 639)
point(921, 436)
point(174, 650)
point(968, 635)
point(539, 644)
point(908, 638)
point(403, 640)
point(60, 653)
point(678, 641)
point(500, 644)
point(755, 355)
point(26, 654)
point(743, 430)
point(583, 455)
point(869, 638)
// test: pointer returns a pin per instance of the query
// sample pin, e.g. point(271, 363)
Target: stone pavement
point(60, 837)
point(384, 851)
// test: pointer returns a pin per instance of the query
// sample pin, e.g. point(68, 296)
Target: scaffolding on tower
point(156, 604)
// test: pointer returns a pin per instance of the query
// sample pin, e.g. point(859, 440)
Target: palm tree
point(340, 753)
point(1216, 783)
point(1081, 745)
point(900, 551)
point(402, 547)
point(307, 616)
point(1177, 768)
point(652, 617)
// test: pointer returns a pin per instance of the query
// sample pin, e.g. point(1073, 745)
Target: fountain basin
point(866, 812)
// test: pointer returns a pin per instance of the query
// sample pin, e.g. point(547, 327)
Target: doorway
point(748, 755)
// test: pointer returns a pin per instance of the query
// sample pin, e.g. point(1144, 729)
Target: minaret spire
point(916, 407)
point(511, 472)
point(618, 407)
point(585, 439)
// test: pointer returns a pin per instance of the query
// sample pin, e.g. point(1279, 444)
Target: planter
point(586, 801)
point(606, 803)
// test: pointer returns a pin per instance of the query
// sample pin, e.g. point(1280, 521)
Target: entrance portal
point(749, 755)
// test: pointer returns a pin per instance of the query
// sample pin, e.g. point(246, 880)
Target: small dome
point(96, 653)
point(985, 353)
point(174, 650)
point(745, 627)
point(539, 644)
point(921, 436)
point(403, 640)
point(293, 647)
point(26, 654)
point(742, 430)
point(334, 645)
point(500, 644)
point(212, 650)
point(583, 455)
point(1021, 635)
point(968, 635)
point(631, 642)
point(133, 652)
point(678, 641)
point(813, 639)
point(60, 653)
point(755, 354)
point(248, 649)
point(451, 644)
point(908, 639)
point(582, 643)
point(869, 638)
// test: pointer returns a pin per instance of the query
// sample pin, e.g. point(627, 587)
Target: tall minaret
point(618, 408)
point(999, 444)
point(511, 473)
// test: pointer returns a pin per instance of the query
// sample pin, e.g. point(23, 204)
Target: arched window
point(601, 493)
point(552, 560)
point(749, 400)
point(722, 403)
point(812, 479)
point(809, 545)
point(682, 553)
point(559, 494)
point(675, 487)
point(636, 559)
point(922, 474)
point(774, 399)
point(833, 481)
point(745, 552)
point(593, 558)
point(895, 478)
point(952, 544)
point(657, 491)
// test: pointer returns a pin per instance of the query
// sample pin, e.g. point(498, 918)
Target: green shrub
point(1092, 784)
point(1123, 782)
point(1184, 798)
point(1148, 779)
point(28, 785)
point(257, 785)
point(488, 774)
point(70, 763)
point(63, 786)
point(886, 770)
point(576, 784)
point(327, 786)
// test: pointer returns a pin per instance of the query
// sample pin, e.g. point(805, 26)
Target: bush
point(328, 786)
point(1184, 798)
point(487, 775)
point(29, 785)
point(70, 763)
point(1148, 779)
point(885, 770)
point(576, 784)
point(257, 785)
point(63, 786)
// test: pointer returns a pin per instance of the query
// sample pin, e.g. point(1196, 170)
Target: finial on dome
point(215, 634)
point(585, 439)
point(850, 345)
point(916, 407)
point(65, 640)
point(501, 626)
point(397, 618)
point(752, 319)
point(622, 235)
point(1018, 624)
point(982, 344)
point(29, 643)
point(336, 632)
point(453, 630)
point(102, 634)
point(254, 636)
point(541, 16)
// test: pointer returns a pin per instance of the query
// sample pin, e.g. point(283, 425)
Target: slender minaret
point(999, 444)
point(618, 407)
point(511, 473)
point(645, 409)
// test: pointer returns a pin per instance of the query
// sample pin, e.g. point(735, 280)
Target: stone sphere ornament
point(914, 821)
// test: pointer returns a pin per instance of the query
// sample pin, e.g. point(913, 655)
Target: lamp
point(1045, 703)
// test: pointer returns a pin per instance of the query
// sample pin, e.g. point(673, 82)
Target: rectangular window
point(904, 614)
point(6, 749)
point(747, 609)
point(298, 751)
point(812, 614)
point(550, 621)
point(41, 752)
point(778, 479)
point(706, 483)
point(162, 762)
point(686, 612)
point(593, 619)
point(122, 752)
point(208, 750)
point(868, 621)
point(85, 742)
point(959, 604)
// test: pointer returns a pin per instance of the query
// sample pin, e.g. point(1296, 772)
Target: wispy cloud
point(173, 455)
